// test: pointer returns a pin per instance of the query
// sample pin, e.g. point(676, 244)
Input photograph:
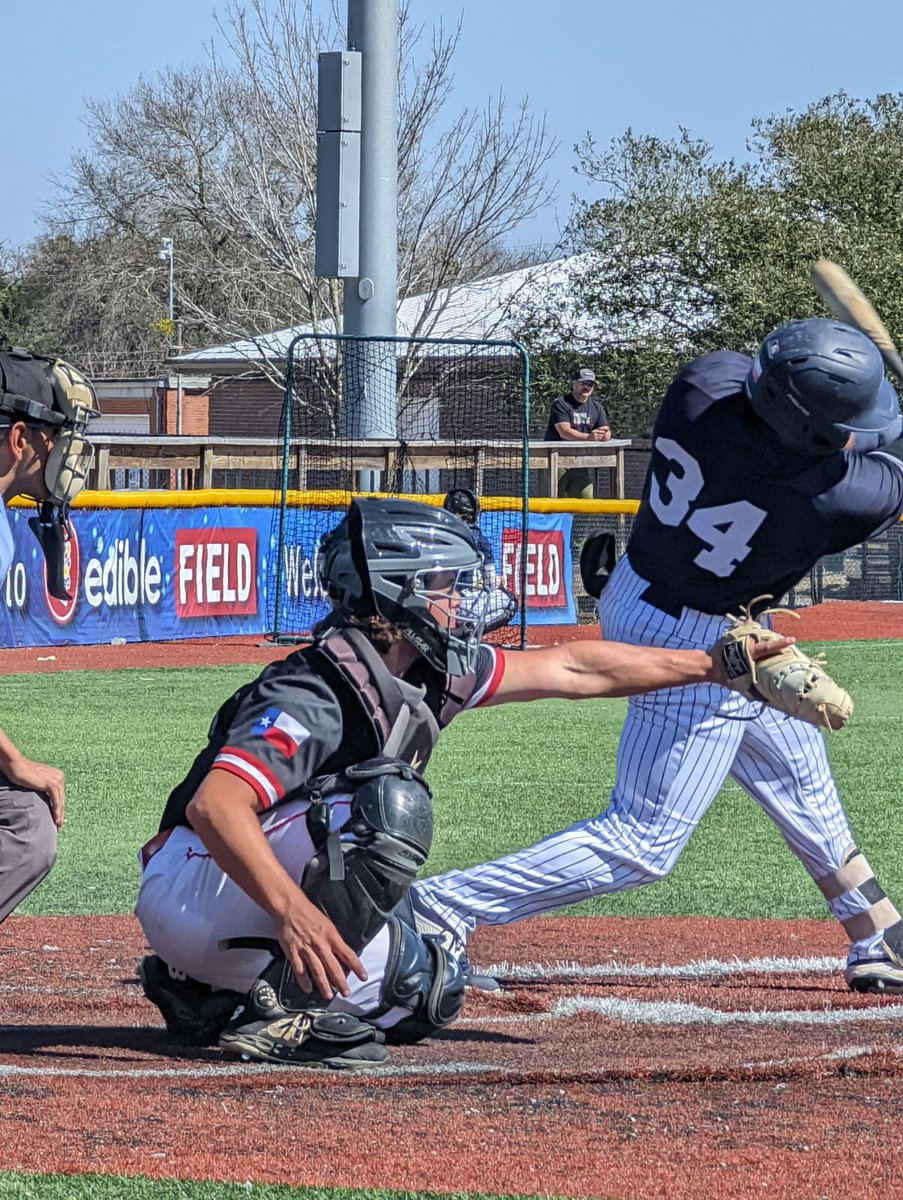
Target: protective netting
point(395, 416)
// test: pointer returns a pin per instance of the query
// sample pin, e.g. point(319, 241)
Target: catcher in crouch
point(268, 893)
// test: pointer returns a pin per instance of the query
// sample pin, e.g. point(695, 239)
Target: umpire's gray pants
point(27, 844)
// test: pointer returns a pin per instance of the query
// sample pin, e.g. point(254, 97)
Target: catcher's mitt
point(789, 680)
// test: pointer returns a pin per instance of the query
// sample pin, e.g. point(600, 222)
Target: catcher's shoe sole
point(881, 977)
point(259, 1047)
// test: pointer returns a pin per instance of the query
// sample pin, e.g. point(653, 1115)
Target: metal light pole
point(165, 254)
point(370, 301)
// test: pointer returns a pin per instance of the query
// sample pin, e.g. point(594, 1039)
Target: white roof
point(488, 309)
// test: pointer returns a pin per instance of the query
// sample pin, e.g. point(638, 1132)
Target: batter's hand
point(37, 777)
point(316, 951)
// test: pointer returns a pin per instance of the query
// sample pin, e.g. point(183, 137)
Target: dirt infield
point(825, 622)
point(677, 1058)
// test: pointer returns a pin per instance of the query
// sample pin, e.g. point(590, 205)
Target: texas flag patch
point(281, 731)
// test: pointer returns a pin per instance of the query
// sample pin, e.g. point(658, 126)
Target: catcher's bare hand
point(765, 666)
point(316, 950)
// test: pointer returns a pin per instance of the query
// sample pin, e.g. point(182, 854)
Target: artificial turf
point(17, 1186)
point(502, 777)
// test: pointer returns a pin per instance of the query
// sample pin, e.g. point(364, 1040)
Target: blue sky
point(587, 64)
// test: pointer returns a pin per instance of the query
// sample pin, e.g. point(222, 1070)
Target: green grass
point(502, 778)
point(16, 1186)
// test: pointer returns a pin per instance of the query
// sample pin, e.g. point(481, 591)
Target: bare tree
point(222, 158)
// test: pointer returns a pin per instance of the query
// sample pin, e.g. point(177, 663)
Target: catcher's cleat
point(881, 976)
point(194, 1013)
point(410, 911)
point(314, 1038)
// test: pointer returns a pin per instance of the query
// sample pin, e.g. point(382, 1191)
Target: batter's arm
point(223, 813)
point(586, 670)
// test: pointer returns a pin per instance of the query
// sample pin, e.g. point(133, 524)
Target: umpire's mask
point(52, 394)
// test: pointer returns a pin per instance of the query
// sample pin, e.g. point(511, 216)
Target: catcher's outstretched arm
point(587, 670)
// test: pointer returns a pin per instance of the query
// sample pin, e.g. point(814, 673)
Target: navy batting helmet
point(820, 385)
point(395, 559)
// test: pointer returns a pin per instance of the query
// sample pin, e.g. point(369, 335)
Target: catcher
point(759, 467)
point(267, 893)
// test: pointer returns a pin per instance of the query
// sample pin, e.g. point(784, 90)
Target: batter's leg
point(783, 765)
point(672, 759)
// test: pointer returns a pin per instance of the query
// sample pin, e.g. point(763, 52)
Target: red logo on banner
point(63, 611)
point(216, 572)
point(546, 586)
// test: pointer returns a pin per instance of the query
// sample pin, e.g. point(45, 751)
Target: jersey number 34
point(726, 529)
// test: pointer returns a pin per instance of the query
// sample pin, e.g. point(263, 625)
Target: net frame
point(399, 363)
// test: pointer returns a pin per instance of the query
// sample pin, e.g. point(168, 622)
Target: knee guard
point(422, 976)
point(361, 871)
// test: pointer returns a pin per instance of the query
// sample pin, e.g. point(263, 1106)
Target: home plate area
point(582, 999)
point(612, 1042)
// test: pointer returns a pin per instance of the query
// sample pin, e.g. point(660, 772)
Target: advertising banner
point(141, 574)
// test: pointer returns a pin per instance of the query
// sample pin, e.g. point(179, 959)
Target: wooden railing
point(204, 455)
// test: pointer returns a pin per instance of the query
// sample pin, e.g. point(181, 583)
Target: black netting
point(397, 416)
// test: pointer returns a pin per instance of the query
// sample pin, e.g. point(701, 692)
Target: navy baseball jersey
point(298, 720)
point(729, 513)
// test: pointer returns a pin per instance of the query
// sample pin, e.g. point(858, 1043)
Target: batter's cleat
point(194, 1013)
point(314, 1038)
point(408, 910)
point(881, 976)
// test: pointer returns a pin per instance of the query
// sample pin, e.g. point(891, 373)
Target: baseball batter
point(759, 468)
point(267, 893)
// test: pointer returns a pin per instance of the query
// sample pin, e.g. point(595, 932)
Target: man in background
point(578, 417)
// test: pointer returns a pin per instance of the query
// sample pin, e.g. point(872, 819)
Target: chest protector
point(403, 723)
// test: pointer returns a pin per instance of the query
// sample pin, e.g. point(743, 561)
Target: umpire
point(45, 406)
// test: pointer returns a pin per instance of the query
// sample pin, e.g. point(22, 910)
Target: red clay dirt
point(520, 1096)
point(825, 622)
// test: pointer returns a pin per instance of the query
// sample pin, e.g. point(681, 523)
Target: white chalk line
point(557, 972)
point(631, 1012)
point(252, 1070)
point(673, 1012)
point(706, 968)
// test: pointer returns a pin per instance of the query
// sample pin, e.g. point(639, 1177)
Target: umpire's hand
point(38, 777)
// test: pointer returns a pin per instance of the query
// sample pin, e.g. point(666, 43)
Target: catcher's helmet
point(464, 504)
point(820, 385)
point(391, 558)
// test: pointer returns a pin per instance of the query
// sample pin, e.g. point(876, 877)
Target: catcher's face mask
point(58, 401)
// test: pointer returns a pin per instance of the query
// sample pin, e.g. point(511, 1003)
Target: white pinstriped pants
point(677, 748)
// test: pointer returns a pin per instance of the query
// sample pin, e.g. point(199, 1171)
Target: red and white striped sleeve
point(488, 675)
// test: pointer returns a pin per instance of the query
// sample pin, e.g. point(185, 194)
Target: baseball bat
point(845, 300)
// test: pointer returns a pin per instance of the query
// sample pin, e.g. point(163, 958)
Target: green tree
point(19, 314)
point(683, 253)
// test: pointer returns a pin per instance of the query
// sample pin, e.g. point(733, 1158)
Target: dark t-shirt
point(300, 719)
point(730, 513)
point(583, 417)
